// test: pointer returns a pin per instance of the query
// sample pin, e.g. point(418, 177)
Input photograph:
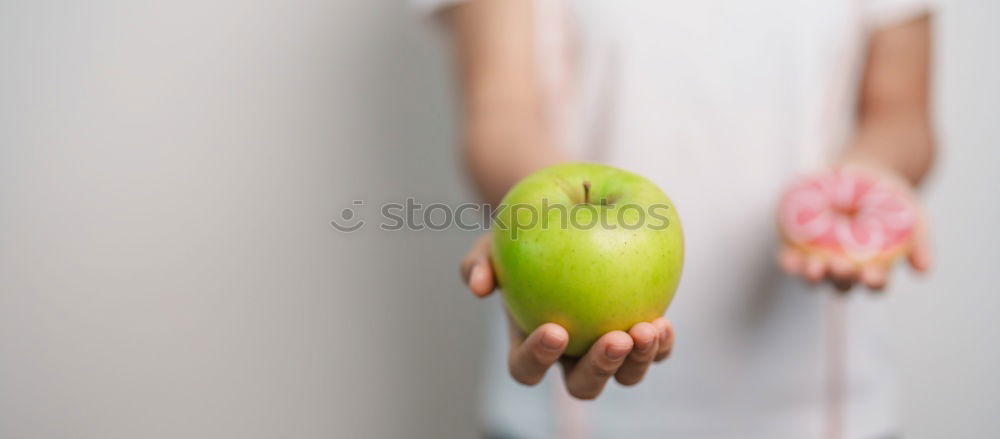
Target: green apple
point(590, 247)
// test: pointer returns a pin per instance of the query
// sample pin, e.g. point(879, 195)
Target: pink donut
point(848, 211)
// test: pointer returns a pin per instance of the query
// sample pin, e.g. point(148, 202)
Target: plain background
point(168, 171)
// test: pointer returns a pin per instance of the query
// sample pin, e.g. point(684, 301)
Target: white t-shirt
point(720, 103)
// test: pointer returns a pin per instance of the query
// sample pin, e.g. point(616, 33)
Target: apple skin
point(590, 280)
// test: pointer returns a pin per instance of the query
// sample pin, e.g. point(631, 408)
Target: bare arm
point(894, 125)
point(894, 137)
point(505, 138)
point(503, 131)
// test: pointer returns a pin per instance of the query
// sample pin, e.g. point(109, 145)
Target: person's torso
point(719, 103)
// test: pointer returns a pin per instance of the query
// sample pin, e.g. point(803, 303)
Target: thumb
point(920, 254)
point(476, 269)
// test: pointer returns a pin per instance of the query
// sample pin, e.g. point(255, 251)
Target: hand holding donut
point(849, 224)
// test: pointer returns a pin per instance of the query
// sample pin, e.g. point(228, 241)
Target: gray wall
point(167, 171)
point(946, 325)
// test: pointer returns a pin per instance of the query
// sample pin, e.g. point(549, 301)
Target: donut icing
point(848, 211)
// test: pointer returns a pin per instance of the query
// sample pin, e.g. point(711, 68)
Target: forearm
point(504, 134)
point(499, 150)
point(903, 142)
point(894, 127)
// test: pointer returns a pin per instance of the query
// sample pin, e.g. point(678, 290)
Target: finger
point(529, 360)
point(481, 281)
point(476, 269)
point(586, 380)
point(479, 251)
point(920, 254)
point(815, 268)
point(645, 340)
point(665, 342)
point(843, 273)
point(790, 260)
point(874, 276)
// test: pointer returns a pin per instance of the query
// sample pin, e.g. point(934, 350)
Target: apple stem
point(586, 192)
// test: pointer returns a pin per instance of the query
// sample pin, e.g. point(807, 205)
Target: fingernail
point(617, 352)
point(552, 342)
point(477, 272)
point(644, 344)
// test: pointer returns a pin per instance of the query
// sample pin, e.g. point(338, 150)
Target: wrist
point(901, 147)
point(865, 158)
point(861, 161)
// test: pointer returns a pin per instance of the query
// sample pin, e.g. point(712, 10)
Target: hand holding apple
point(583, 252)
point(626, 356)
point(588, 246)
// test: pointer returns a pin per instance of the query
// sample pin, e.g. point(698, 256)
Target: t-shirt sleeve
point(432, 8)
point(881, 13)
